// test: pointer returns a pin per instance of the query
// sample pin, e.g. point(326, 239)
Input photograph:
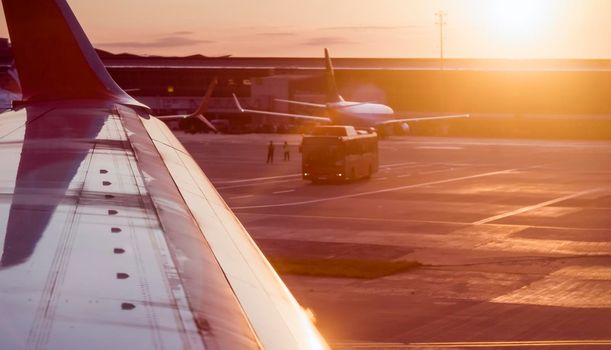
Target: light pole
point(441, 22)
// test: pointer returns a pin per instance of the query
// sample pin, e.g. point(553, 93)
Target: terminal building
point(514, 94)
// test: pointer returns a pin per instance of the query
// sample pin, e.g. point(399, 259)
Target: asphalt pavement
point(514, 237)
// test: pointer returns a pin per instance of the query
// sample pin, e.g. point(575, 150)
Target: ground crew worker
point(287, 151)
point(270, 153)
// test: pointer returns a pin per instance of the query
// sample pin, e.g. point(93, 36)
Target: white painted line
point(435, 222)
point(247, 182)
point(244, 196)
point(224, 182)
point(355, 218)
point(397, 164)
point(255, 179)
point(353, 195)
point(532, 207)
point(286, 191)
point(439, 147)
point(255, 184)
point(433, 171)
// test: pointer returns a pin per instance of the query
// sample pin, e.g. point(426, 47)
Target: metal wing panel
point(85, 261)
point(277, 318)
point(213, 303)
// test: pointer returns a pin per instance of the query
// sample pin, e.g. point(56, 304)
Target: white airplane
point(11, 90)
point(341, 112)
point(111, 235)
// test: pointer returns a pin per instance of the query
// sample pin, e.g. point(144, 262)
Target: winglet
point(54, 58)
point(332, 92)
point(237, 103)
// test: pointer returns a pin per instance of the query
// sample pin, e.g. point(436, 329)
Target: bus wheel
point(369, 171)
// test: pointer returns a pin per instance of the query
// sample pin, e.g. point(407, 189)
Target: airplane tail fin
point(200, 111)
point(332, 93)
point(203, 106)
point(54, 58)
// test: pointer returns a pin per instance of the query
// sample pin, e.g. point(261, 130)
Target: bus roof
point(334, 130)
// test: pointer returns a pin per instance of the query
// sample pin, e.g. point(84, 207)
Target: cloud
point(278, 34)
point(328, 40)
point(167, 41)
point(370, 28)
point(183, 33)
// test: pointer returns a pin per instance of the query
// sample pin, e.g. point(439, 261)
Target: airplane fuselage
point(359, 114)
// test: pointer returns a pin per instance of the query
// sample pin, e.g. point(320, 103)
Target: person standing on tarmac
point(287, 151)
point(270, 153)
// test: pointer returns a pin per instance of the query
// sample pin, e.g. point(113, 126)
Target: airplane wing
point(111, 236)
point(300, 103)
point(409, 120)
point(277, 114)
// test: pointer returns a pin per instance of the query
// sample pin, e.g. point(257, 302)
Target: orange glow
point(384, 28)
point(516, 19)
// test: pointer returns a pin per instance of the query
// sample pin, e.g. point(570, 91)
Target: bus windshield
point(323, 151)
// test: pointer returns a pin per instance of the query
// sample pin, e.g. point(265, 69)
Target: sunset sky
point(350, 28)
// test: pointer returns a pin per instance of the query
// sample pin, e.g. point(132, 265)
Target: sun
point(516, 19)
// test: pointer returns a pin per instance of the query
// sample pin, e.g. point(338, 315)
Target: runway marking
point(256, 179)
point(439, 147)
point(475, 344)
point(248, 182)
point(252, 184)
point(405, 166)
point(244, 196)
point(353, 195)
point(286, 191)
point(397, 164)
point(437, 222)
point(433, 171)
point(536, 206)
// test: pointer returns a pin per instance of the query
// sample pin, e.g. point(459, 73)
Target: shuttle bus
point(333, 153)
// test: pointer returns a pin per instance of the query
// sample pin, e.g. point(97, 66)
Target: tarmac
point(514, 237)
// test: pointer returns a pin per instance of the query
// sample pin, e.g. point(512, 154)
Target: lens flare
point(517, 18)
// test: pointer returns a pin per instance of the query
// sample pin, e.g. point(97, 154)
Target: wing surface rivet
point(127, 306)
